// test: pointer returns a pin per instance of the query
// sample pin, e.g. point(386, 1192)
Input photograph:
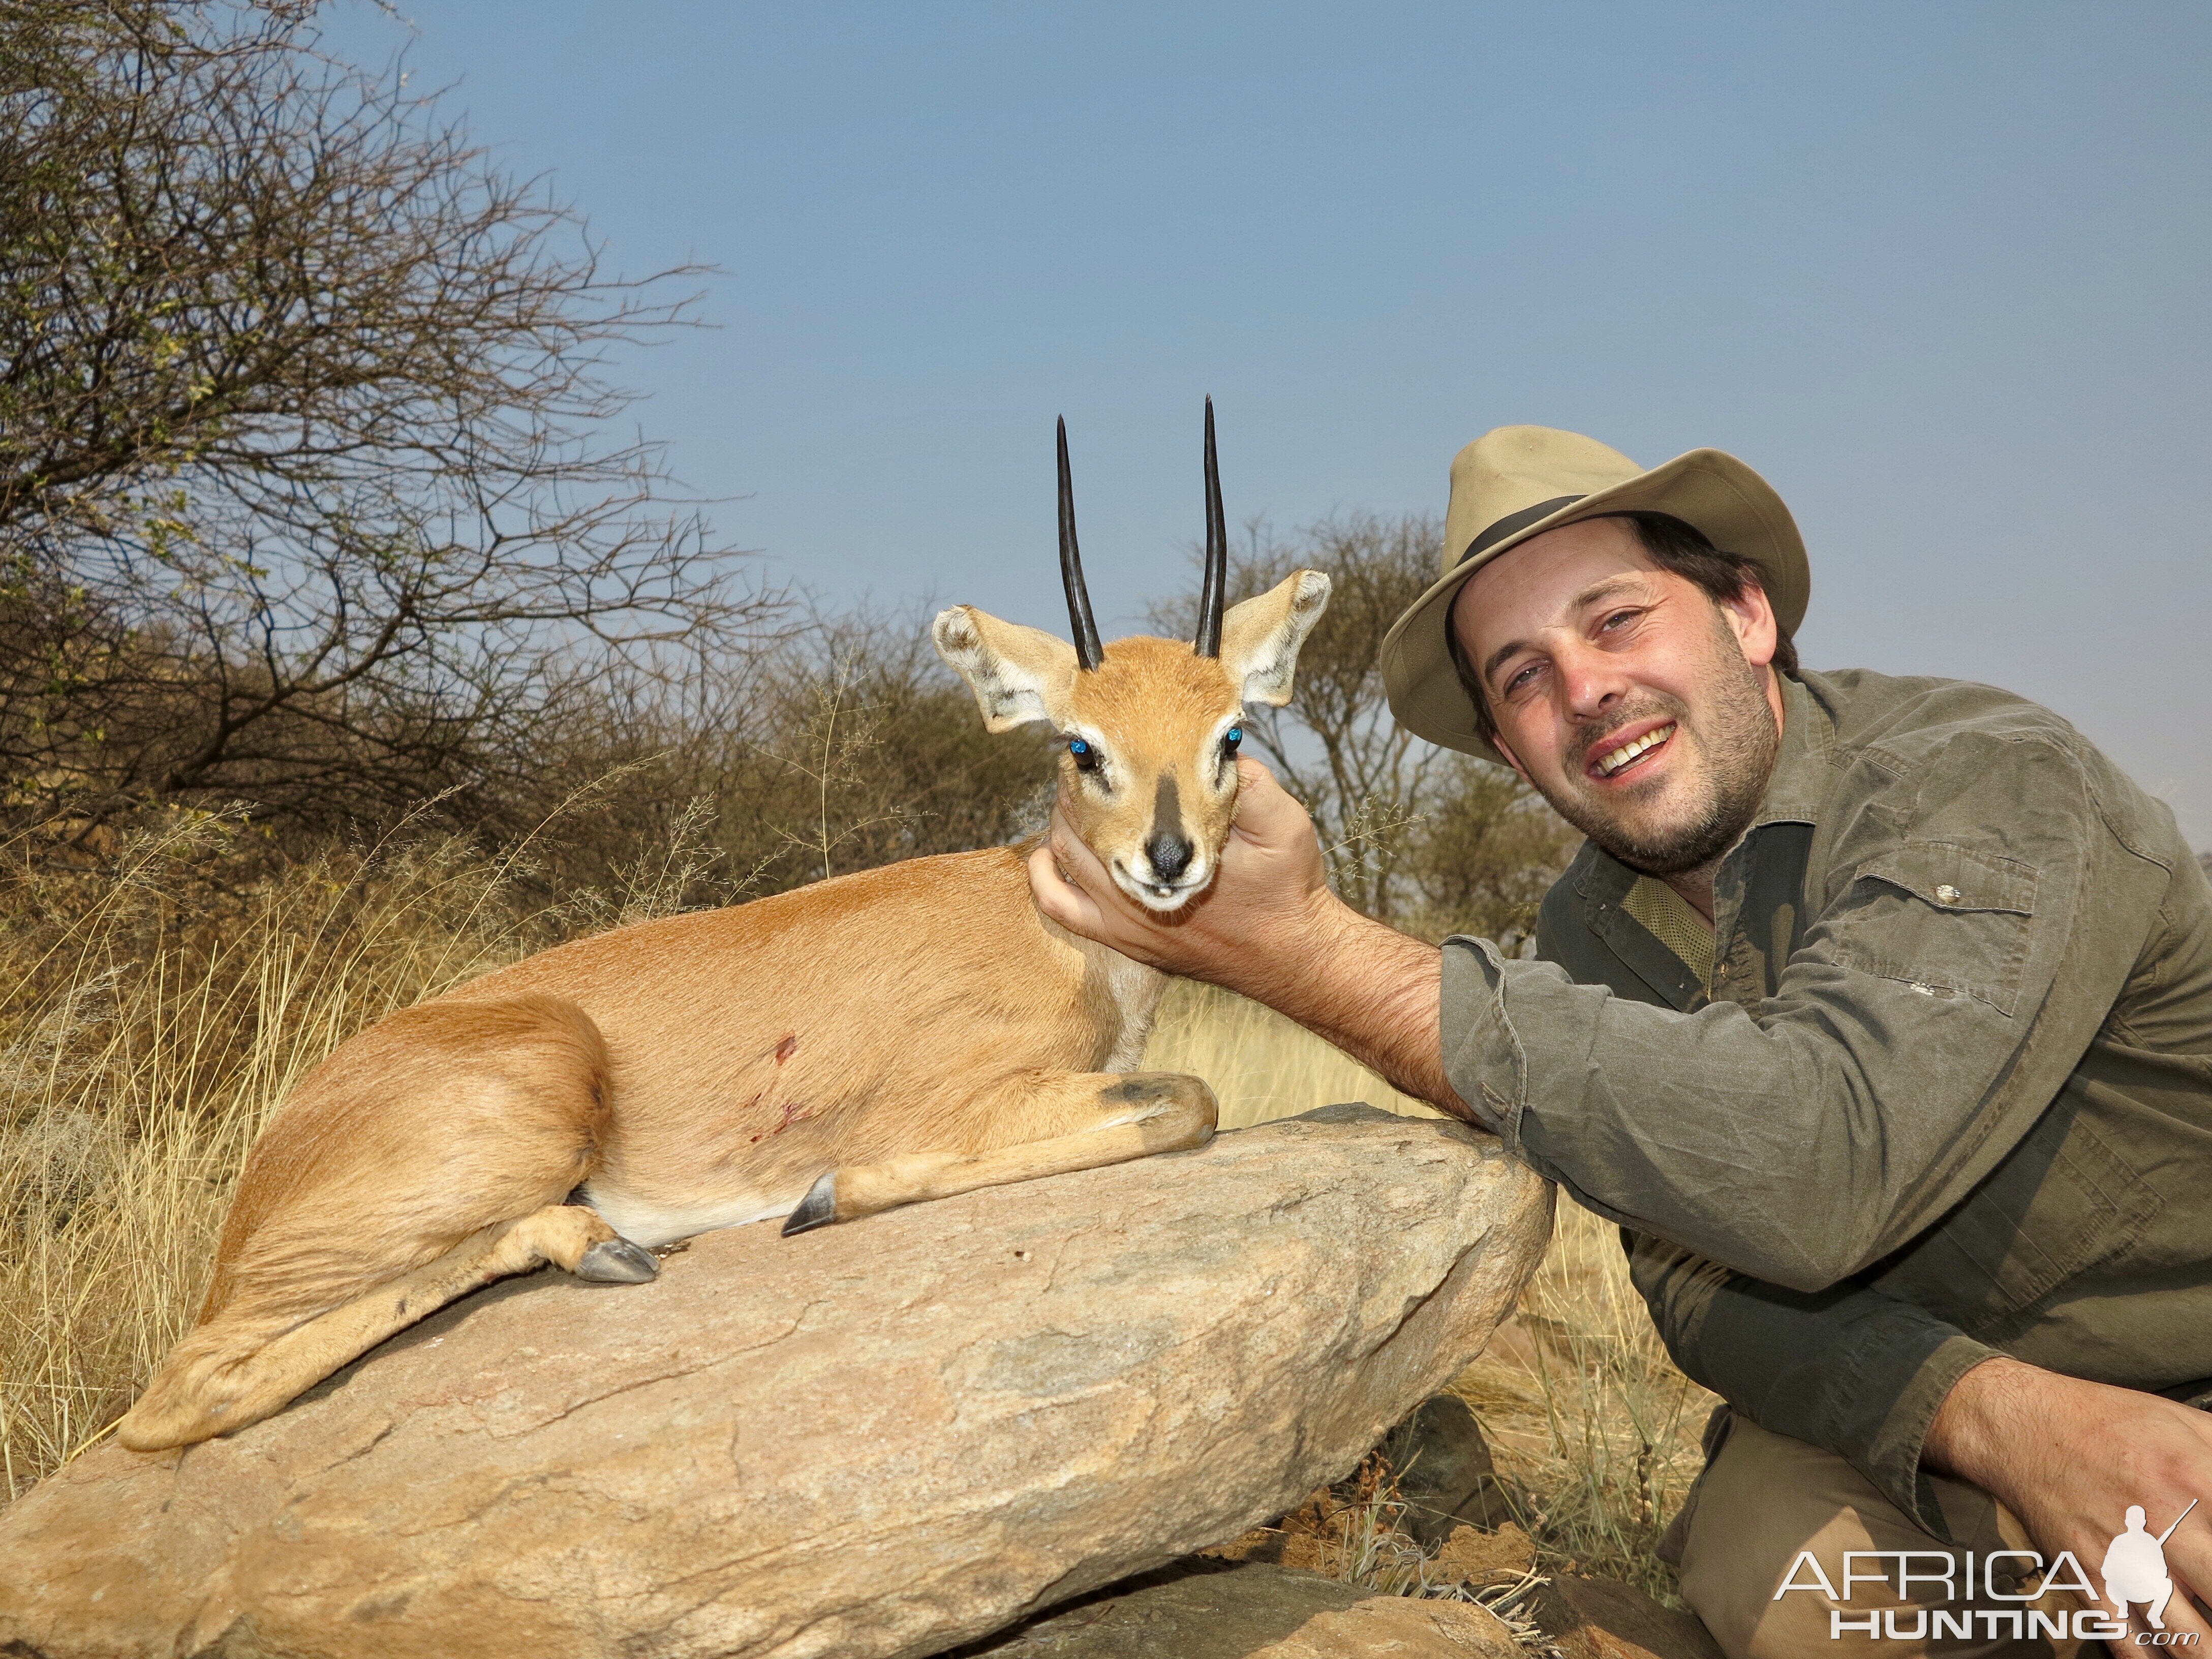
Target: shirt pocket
point(1943, 919)
point(2060, 1202)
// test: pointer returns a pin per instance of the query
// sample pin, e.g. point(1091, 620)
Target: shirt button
point(1948, 894)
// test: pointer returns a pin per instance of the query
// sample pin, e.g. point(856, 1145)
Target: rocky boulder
point(1443, 1471)
point(884, 1439)
point(1251, 1610)
point(1604, 1618)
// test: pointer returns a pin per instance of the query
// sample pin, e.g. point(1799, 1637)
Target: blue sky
point(1939, 272)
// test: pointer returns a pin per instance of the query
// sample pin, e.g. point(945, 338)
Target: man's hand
point(1270, 897)
point(2068, 1457)
point(1269, 927)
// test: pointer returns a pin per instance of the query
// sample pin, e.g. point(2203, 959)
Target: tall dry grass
point(1260, 1065)
point(1599, 1437)
point(151, 1018)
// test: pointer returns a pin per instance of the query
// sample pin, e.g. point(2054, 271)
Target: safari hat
point(1521, 481)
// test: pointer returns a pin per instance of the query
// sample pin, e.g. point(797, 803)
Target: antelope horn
point(1088, 652)
point(1216, 588)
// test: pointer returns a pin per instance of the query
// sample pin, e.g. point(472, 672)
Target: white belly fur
point(644, 1222)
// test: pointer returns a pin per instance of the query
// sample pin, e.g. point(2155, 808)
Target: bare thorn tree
point(309, 493)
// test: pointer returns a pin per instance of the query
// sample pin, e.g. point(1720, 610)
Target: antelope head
point(1149, 728)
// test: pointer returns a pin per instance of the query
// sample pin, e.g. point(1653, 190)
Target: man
point(2135, 1569)
point(1877, 1012)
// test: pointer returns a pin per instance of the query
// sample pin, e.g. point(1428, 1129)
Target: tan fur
point(902, 1034)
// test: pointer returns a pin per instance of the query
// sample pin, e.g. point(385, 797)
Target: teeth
point(1612, 762)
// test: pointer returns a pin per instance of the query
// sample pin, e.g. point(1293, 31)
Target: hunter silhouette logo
point(2135, 1567)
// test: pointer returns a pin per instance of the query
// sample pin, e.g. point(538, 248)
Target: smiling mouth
point(1614, 762)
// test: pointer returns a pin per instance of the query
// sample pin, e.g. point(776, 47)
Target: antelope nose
point(1171, 855)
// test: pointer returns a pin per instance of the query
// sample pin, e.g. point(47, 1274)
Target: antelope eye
point(1085, 756)
point(1232, 737)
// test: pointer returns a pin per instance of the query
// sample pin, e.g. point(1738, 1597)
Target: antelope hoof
point(617, 1261)
point(817, 1209)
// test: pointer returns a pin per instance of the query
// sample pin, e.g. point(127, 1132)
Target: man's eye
point(1618, 619)
point(1086, 756)
point(1521, 678)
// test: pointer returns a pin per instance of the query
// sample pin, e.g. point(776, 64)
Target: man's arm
point(1914, 1037)
point(1270, 928)
point(2068, 1457)
point(1900, 1394)
point(1847, 1369)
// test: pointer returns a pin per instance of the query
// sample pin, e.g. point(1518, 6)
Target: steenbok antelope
point(905, 1033)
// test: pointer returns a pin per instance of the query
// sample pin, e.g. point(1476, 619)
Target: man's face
point(1641, 709)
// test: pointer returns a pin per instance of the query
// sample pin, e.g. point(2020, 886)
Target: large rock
point(1251, 1610)
point(1444, 1473)
point(883, 1438)
point(1605, 1618)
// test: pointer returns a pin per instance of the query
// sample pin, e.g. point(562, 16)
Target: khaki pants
point(1764, 1498)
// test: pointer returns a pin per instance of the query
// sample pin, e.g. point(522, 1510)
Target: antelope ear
point(1260, 638)
point(1020, 675)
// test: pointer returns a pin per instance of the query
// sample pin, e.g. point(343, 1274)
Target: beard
point(1735, 736)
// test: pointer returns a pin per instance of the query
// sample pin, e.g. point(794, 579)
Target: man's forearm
point(1849, 1370)
point(1989, 1419)
point(1369, 989)
point(2070, 1458)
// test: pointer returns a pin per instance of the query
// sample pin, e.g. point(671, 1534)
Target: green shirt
point(1944, 1091)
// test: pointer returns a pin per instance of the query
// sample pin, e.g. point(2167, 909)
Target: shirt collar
point(1802, 767)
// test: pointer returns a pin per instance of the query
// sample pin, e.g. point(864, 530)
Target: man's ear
point(1020, 675)
point(1751, 614)
point(1260, 638)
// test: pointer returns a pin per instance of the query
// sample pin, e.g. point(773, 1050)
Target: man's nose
point(1589, 680)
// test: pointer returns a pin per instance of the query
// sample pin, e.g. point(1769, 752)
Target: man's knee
point(1764, 1503)
point(1768, 1505)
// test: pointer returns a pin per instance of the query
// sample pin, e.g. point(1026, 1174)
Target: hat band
point(1514, 523)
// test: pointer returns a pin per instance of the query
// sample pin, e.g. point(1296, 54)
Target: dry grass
point(1595, 1432)
point(1261, 1065)
point(151, 1020)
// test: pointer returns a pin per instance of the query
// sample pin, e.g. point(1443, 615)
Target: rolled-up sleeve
point(1956, 973)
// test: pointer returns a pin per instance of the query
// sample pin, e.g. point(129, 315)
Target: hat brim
point(1735, 509)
